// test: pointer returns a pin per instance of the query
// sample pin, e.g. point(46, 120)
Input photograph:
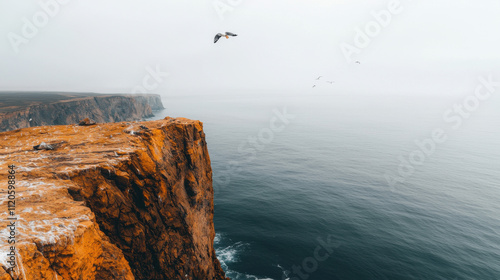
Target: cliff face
point(105, 108)
point(111, 201)
point(153, 100)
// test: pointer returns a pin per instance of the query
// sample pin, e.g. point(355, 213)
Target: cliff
point(20, 110)
point(110, 201)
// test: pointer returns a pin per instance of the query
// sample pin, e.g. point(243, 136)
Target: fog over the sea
point(426, 46)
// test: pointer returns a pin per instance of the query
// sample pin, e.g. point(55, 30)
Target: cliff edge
point(108, 201)
point(21, 110)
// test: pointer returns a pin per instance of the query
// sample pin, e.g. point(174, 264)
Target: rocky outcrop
point(110, 201)
point(100, 108)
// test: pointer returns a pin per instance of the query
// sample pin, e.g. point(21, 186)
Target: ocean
point(326, 185)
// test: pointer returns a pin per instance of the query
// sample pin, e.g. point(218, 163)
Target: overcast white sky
point(438, 46)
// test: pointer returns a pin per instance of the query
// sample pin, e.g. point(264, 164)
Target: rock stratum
point(21, 110)
point(110, 201)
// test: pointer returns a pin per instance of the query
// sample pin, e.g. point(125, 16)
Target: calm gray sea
point(323, 185)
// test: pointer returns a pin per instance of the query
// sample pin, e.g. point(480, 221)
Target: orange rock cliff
point(109, 201)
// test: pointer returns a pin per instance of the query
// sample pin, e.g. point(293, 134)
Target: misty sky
point(428, 46)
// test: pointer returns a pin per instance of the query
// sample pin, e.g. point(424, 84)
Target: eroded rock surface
point(111, 201)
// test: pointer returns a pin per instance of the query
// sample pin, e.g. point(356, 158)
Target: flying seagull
point(227, 34)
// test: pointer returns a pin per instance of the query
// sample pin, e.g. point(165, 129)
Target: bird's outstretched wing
point(231, 34)
point(217, 37)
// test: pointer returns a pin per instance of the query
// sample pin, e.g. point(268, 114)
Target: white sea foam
point(285, 272)
point(228, 255)
point(217, 238)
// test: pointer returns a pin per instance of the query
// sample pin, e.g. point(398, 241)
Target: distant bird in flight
point(319, 77)
point(314, 86)
point(330, 82)
point(227, 34)
point(357, 61)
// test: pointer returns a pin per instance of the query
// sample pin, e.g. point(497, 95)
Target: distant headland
point(29, 109)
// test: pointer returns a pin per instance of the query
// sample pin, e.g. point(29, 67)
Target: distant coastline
point(29, 109)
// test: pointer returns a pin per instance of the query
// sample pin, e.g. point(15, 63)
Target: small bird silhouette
point(319, 77)
point(357, 61)
point(227, 34)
